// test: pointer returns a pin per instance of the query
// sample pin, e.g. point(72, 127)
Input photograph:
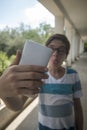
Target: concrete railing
point(7, 116)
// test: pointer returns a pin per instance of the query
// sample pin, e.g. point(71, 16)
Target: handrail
point(7, 116)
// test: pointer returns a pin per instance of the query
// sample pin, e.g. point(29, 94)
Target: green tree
point(4, 61)
point(4, 37)
point(45, 30)
point(12, 39)
point(85, 47)
point(32, 34)
point(3, 47)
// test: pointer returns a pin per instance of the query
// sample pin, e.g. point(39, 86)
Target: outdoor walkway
point(81, 67)
point(30, 122)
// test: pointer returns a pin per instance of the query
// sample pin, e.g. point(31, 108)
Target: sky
point(30, 12)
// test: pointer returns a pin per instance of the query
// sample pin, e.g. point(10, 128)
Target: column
point(59, 24)
point(73, 45)
point(77, 45)
point(68, 33)
point(81, 46)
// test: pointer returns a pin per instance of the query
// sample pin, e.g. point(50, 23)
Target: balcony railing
point(7, 116)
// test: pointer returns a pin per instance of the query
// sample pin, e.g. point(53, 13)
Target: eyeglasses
point(60, 50)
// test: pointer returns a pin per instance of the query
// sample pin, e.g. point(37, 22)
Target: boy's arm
point(20, 80)
point(15, 103)
point(78, 114)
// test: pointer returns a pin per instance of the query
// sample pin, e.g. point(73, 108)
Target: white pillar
point(68, 33)
point(81, 46)
point(59, 24)
point(73, 45)
point(77, 45)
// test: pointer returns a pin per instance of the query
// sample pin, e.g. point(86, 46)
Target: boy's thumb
point(17, 58)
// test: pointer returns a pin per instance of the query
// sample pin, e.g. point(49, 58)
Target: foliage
point(12, 39)
point(45, 30)
point(3, 46)
point(4, 61)
point(85, 47)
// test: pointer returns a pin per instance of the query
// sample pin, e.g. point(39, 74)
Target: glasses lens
point(60, 50)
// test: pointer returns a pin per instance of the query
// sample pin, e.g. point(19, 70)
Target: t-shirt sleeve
point(77, 89)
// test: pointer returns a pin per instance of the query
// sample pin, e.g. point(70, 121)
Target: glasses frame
point(61, 50)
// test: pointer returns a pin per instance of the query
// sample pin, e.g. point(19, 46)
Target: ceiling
point(74, 10)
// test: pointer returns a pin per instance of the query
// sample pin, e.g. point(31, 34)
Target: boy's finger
point(17, 58)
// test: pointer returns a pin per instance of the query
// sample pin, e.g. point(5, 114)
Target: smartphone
point(35, 54)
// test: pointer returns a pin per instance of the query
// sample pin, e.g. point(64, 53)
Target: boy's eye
point(60, 50)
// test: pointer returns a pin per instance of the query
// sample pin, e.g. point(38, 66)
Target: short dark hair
point(60, 37)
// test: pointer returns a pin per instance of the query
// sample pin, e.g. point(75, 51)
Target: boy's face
point(59, 53)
